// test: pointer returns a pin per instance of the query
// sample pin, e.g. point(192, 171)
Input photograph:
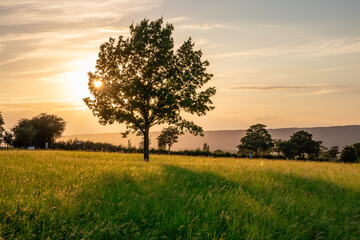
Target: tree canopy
point(142, 81)
point(37, 131)
point(305, 144)
point(348, 155)
point(257, 139)
point(168, 136)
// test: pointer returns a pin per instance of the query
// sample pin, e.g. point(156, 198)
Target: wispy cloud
point(33, 11)
point(319, 48)
point(332, 69)
point(46, 106)
point(207, 26)
point(310, 89)
point(275, 87)
point(43, 29)
point(177, 19)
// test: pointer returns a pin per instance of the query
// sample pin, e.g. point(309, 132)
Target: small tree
point(333, 152)
point(24, 136)
point(206, 147)
point(287, 148)
point(257, 139)
point(348, 155)
point(356, 146)
point(8, 138)
point(1, 127)
point(142, 81)
point(305, 144)
point(168, 136)
point(48, 127)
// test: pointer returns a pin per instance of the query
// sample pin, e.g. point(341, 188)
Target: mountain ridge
point(227, 140)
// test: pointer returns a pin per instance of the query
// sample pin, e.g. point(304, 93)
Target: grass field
point(78, 195)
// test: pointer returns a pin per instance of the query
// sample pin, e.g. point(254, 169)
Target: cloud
point(312, 89)
point(332, 69)
point(176, 19)
point(46, 106)
point(206, 26)
point(34, 11)
point(275, 87)
point(318, 48)
point(45, 29)
point(266, 118)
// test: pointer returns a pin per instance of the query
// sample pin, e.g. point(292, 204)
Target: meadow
point(84, 195)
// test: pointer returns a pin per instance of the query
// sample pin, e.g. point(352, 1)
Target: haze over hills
point(227, 140)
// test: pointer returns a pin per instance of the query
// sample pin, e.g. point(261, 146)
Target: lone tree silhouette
point(168, 136)
point(145, 82)
point(256, 138)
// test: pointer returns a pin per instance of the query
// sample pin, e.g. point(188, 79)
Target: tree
point(1, 123)
point(206, 147)
point(348, 155)
point(257, 139)
point(8, 138)
point(333, 152)
point(287, 148)
point(168, 136)
point(356, 146)
point(1, 127)
point(305, 144)
point(46, 127)
point(145, 82)
point(24, 136)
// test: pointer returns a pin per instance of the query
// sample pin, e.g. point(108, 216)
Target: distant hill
point(227, 140)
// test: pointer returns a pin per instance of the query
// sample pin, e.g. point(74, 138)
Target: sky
point(283, 63)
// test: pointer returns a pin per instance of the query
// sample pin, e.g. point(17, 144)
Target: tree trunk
point(169, 149)
point(146, 144)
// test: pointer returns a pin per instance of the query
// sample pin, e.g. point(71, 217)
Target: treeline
point(76, 145)
point(259, 143)
point(42, 131)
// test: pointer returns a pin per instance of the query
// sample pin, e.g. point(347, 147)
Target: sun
point(97, 83)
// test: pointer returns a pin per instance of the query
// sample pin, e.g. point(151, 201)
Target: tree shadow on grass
point(311, 208)
point(191, 204)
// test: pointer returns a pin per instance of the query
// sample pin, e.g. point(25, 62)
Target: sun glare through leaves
point(97, 83)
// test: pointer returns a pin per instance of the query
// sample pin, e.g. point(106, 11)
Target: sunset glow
point(283, 64)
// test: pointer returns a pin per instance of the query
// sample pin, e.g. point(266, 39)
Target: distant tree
point(146, 82)
point(287, 148)
point(333, 152)
point(206, 147)
point(218, 152)
point(348, 155)
point(1, 127)
point(313, 149)
point(24, 136)
point(257, 139)
point(356, 146)
point(305, 144)
point(1, 123)
point(8, 138)
point(46, 127)
point(168, 137)
point(129, 144)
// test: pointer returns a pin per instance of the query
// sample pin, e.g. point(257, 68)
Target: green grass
point(77, 195)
